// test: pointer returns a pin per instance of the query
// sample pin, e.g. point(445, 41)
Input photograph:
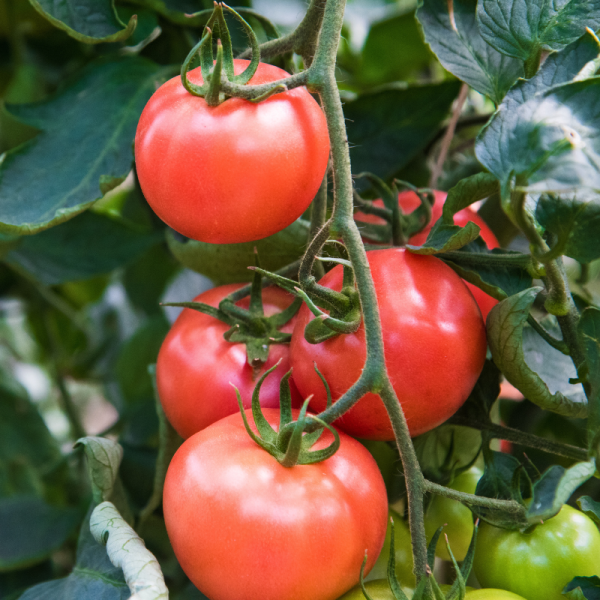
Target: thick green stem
point(322, 79)
point(509, 506)
point(522, 438)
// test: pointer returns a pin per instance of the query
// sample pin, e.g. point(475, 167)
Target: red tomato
point(244, 527)
point(434, 341)
point(231, 173)
point(196, 365)
point(409, 201)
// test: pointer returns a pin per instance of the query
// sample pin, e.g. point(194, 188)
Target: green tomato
point(378, 590)
point(539, 564)
point(490, 594)
point(458, 517)
point(404, 558)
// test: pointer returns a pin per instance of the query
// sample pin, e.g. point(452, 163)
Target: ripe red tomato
point(196, 365)
point(243, 526)
point(434, 341)
point(409, 201)
point(537, 565)
point(231, 173)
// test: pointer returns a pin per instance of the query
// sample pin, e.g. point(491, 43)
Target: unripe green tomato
point(458, 517)
point(491, 594)
point(539, 564)
point(403, 548)
point(378, 590)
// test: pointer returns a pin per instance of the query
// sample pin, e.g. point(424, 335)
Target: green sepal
point(462, 573)
point(294, 445)
point(362, 578)
point(391, 571)
point(316, 456)
point(432, 547)
point(281, 318)
point(206, 309)
point(285, 401)
point(213, 96)
point(192, 88)
point(270, 448)
point(264, 428)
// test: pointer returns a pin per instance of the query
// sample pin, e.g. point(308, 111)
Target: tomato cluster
point(242, 524)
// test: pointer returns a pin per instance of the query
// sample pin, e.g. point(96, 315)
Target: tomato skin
point(231, 173)
point(492, 594)
point(457, 516)
point(434, 342)
point(409, 201)
point(403, 553)
point(196, 365)
point(243, 526)
point(538, 565)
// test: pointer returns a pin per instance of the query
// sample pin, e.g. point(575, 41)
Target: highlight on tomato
point(244, 526)
point(434, 342)
point(236, 172)
point(196, 365)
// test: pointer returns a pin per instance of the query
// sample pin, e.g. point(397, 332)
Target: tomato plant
point(457, 517)
point(231, 173)
point(243, 526)
point(197, 366)
point(433, 336)
point(539, 564)
point(409, 201)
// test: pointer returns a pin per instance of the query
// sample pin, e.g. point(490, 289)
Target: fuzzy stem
point(522, 438)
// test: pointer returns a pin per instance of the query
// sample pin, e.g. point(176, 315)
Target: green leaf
point(583, 588)
point(27, 449)
point(451, 30)
point(551, 141)
point(398, 39)
point(558, 68)
point(588, 330)
point(555, 487)
point(228, 263)
point(498, 481)
point(85, 147)
point(31, 530)
point(446, 238)
point(128, 551)
point(388, 128)
point(590, 507)
point(521, 28)
point(93, 576)
point(103, 459)
point(81, 248)
point(466, 192)
point(506, 338)
point(477, 265)
point(574, 219)
point(89, 21)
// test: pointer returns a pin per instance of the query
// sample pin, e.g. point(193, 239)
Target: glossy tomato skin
point(409, 201)
point(539, 564)
point(196, 365)
point(456, 516)
point(244, 527)
point(236, 172)
point(434, 342)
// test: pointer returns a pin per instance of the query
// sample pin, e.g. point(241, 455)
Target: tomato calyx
point(214, 72)
point(399, 227)
point(290, 445)
point(249, 326)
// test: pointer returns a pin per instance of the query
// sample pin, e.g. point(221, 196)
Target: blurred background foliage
point(80, 290)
